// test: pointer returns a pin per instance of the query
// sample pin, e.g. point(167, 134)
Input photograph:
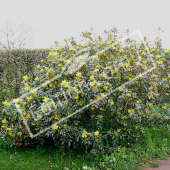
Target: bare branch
point(15, 37)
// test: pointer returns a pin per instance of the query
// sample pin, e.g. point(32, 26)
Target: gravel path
point(164, 165)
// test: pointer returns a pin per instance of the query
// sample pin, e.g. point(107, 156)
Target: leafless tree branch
point(15, 37)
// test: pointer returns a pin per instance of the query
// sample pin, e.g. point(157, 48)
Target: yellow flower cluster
point(6, 103)
point(55, 127)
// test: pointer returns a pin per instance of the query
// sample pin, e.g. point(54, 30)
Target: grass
point(154, 164)
point(41, 158)
point(48, 157)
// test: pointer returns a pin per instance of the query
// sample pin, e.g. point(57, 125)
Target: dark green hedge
point(14, 64)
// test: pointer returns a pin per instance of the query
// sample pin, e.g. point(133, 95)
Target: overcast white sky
point(57, 19)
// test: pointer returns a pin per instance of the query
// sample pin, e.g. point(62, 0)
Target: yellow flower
point(46, 68)
point(115, 132)
point(84, 134)
point(60, 65)
point(5, 103)
point(126, 65)
point(71, 49)
point(95, 57)
point(96, 133)
point(98, 85)
point(39, 116)
point(151, 115)
point(167, 51)
point(27, 88)
point(36, 79)
point(92, 84)
point(4, 126)
point(34, 91)
point(30, 98)
point(138, 101)
point(50, 71)
point(114, 94)
point(114, 71)
point(8, 129)
point(109, 42)
point(159, 62)
point(19, 133)
point(102, 75)
point(128, 94)
point(120, 89)
point(65, 39)
point(55, 127)
point(102, 94)
point(16, 100)
point(158, 56)
point(18, 106)
point(111, 103)
point(150, 104)
point(91, 78)
point(150, 88)
point(42, 61)
point(25, 78)
point(21, 118)
point(38, 66)
point(60, 47)
point(96, 70)
point(106, 87)
point(164, 107)
point(4, 121)
point(165, 117)
point(100, 116)
point(79, 75)
point(57, 118)
point(42, 70)
point(64, 83)
point(10, 133)
point(130, 110)
point(118, 130)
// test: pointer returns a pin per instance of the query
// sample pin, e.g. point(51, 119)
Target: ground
point(163, 165)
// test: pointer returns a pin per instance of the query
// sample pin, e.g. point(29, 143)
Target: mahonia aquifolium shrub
point(77, 74)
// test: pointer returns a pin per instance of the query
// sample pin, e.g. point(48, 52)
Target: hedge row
point(14, 64)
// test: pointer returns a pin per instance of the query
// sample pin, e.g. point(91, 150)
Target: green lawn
point(156, 145)
point(40, 158)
